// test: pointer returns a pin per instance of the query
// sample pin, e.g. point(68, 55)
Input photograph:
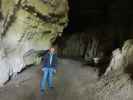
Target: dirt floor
point(71, 81)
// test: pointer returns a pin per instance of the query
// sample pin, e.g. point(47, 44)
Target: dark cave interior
point(110, 21)
point(113, 17)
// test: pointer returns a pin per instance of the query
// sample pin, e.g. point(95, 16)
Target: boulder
point(121, 58)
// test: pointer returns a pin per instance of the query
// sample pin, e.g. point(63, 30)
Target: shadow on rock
point(129, 70)
point(101, 65)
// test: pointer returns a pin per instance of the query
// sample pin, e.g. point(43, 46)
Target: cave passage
point(95, 29)
point(112, 19)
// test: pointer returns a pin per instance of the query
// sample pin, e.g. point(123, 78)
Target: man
point(49, 69)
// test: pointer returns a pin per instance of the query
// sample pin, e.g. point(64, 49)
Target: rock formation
point(121, 59)
point(116, 84)
point(86, 45)
point(27, 25)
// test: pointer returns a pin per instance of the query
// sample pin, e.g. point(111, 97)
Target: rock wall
point(28, 25)
point(87, 45)
point(121, 58)
point(110, 19)
point(116, 84)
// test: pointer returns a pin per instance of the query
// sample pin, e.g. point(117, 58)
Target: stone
point(28, 25)
point(116, 61)
point(86, 45)
point(121, 58)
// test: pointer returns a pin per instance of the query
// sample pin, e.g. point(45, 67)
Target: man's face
point(52, 50)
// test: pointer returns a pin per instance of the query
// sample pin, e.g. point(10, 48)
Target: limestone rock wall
point(122, 59)
point(116, 83)
point(28, 25)
point(88, 45)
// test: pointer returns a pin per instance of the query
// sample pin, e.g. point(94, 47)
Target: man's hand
point(43, 69)
point(54, 71)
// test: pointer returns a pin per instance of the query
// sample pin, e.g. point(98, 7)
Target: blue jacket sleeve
point(56, 61)
point(45, 60)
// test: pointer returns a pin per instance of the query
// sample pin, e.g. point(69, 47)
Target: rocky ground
point(73, 81)
point(70, 82)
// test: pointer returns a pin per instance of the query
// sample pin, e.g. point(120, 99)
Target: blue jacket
point(46, 61)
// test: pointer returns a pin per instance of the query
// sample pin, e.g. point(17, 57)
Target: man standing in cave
point(49, 69)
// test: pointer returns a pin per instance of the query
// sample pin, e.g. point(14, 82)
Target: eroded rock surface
point(116, 84)
point(88, 45)
point(27, 25)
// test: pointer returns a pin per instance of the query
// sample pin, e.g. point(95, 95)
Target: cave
point(111, 19)
point(92, 38)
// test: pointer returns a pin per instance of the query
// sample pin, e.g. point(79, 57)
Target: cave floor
point(72, 82)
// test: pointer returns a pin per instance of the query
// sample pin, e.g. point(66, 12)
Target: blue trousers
point(47, 78)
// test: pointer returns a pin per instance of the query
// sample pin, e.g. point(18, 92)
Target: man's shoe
point(42, 92)
point(51, 88)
